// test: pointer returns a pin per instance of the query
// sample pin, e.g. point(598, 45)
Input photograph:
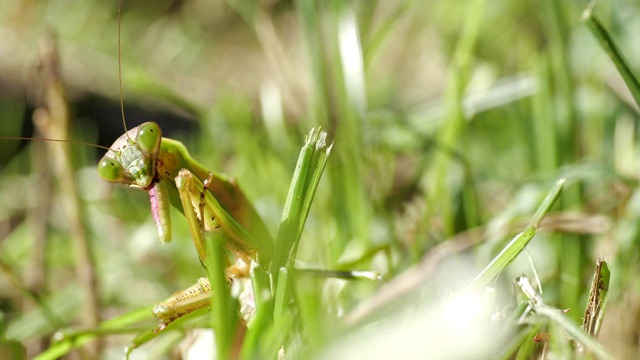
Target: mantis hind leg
point(181, 303)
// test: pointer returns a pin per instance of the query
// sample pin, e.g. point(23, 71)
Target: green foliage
point(450, 123)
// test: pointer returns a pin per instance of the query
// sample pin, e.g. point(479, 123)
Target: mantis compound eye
point(110, 170)
point(149, 137)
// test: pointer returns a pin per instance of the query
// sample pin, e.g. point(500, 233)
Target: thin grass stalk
point(511, 251)
point(440, 196)
point(612, 50)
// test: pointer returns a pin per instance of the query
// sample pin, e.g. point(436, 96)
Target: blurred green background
point(450, 121)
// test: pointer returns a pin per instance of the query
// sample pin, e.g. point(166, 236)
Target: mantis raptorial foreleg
point(205, 214)
point(211, 216)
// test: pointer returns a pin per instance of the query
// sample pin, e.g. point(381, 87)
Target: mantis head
point(131, 158)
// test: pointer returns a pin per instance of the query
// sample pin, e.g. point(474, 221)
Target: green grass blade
point(224, 312)
point(74, 339)
point(318, 163)
point(509, 253)
point(282, 295)
point(612, 50)
point(262, 320)
point(306, 177)
point(146, 334)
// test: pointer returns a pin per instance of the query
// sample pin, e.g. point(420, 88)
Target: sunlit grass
point(450, 123)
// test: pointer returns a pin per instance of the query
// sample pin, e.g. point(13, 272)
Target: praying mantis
point(211, 202)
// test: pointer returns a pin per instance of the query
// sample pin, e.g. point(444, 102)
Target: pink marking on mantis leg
point(160, 208)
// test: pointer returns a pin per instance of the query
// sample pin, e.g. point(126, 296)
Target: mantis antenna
point(27, 138)
point(124, 122)
point(3, 137)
